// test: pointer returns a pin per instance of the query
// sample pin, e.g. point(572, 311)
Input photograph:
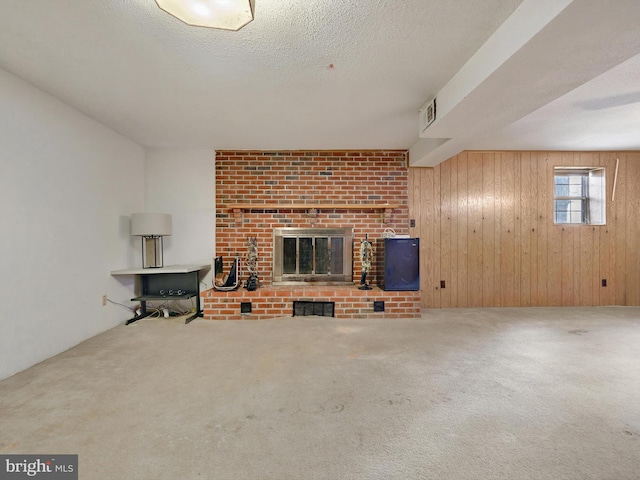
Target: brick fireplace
point(258, 192)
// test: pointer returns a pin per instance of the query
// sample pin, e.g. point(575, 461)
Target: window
point(579, 196)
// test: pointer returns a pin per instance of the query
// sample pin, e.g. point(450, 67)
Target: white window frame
point(592, 197)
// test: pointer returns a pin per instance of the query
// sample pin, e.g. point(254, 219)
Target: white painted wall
point(67, 187)
point(182, 182)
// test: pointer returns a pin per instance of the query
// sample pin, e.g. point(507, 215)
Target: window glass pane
point(561, 211)
point(576, 217)
point(575, 186)
point(575, 205)
point(561, 191)
point(575, 190)
point(322, 255)
point(569, 211)
point(561, 186)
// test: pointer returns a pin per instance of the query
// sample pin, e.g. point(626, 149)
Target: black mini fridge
point(398, 263)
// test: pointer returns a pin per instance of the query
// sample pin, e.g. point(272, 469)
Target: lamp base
point(151, 252)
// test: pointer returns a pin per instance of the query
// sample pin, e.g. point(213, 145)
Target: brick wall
point(290, 177)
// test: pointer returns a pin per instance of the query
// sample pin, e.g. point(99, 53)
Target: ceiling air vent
point(427, 115)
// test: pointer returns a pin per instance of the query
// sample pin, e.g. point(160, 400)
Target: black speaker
point(398, 264)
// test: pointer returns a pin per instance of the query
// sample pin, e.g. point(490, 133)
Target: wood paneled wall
point(485, 220)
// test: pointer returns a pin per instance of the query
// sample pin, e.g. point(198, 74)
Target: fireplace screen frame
point(282, 278)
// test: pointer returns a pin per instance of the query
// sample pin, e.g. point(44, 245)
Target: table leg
point(199, 312)
point(143, 313)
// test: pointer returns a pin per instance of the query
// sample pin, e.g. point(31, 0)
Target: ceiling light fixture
point(222, 14)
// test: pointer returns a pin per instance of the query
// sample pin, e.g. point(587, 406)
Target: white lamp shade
point(150, 224)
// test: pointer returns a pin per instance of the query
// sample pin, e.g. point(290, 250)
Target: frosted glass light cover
point(223, 14)
point(151, 224)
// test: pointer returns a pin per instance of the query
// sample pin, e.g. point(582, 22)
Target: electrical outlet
point(604, 282)
point(442, 284)
point(104, 300)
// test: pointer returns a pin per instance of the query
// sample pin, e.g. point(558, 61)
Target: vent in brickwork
point(321, 309)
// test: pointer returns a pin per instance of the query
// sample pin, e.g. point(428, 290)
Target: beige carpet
point(459, 394)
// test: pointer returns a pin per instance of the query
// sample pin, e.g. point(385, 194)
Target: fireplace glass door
point(312, 255)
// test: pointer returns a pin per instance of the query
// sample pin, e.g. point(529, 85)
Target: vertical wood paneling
point(437, 303)
point(421, 209)
point(488, 239)
point(445, 233)
point(608, 242)
point(452, 284)
point(633, 232)
point(427, 182)
point(474, 228)
point(497, 243)
point(526, 198)
point(606, 237)
point(507, 230)
point(485, 220)
point(564, 235)
point(415, 206)
point(555, 242)
point(535, 194)
point(518, 237)
point(621, 232)
point(545, 222)
point(462, 270)
point(566, 285)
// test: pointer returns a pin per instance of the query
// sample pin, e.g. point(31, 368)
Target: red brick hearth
point(277, 302)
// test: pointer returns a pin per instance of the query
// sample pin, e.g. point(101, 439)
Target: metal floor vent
point(322, 309)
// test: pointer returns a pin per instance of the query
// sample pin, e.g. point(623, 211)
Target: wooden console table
point(175, 282)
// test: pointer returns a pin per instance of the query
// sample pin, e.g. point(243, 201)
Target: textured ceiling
point(161, 83)
point(334, 74)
